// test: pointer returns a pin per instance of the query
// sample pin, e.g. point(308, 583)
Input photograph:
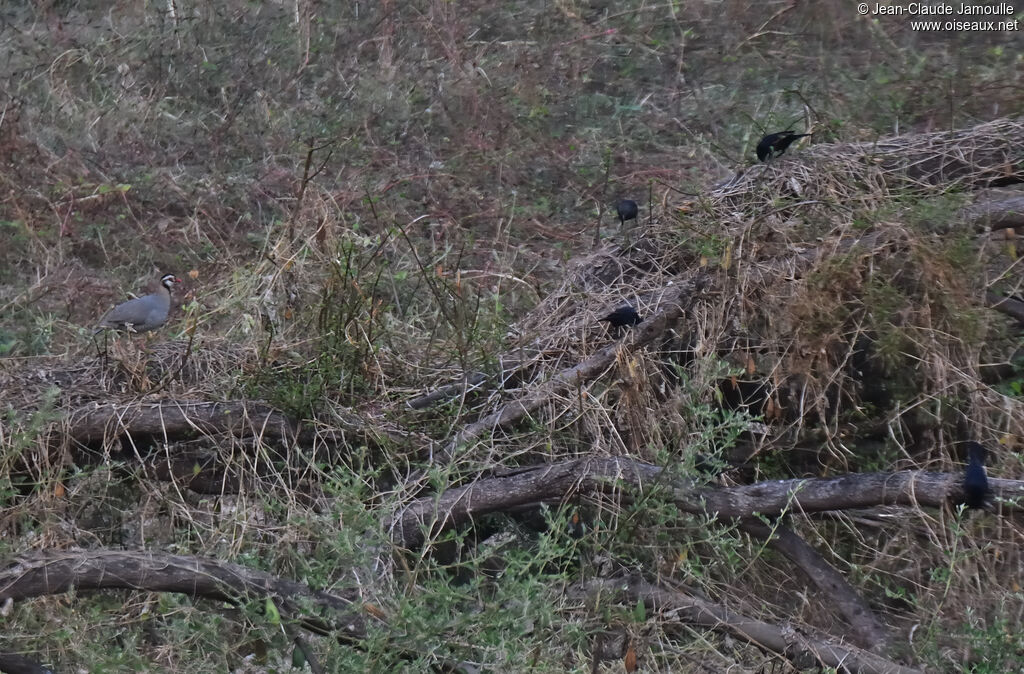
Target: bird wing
point(125, 312)
point(157, 314)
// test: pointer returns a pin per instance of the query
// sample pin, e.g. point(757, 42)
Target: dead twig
point(673, 305)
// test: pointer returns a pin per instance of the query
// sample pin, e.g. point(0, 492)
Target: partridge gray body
point(141, 314)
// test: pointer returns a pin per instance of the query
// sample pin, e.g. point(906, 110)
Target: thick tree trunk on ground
point(180, 420)
point(425, 517)
point(997, 214)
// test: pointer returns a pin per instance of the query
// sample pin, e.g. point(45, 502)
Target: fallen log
point(423, 518)
point(180, 420)
point(56, 572)
point(175, 420)
point(342, 616)
point(1009, 306)
point(868, 629)
point(802, 650)
point(996, 214)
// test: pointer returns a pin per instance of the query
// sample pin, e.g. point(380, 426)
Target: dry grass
point(450, 231)
point(784, 308)
point(811, 256)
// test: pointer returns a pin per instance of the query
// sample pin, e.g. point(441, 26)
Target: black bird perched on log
point(627, 210)
point(622, 316)
point(975, 480)
point(775, 144)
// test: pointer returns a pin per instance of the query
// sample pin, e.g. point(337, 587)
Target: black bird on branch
point(975, 481)
point(623, 316)
point(775, 144)
point(627, 210)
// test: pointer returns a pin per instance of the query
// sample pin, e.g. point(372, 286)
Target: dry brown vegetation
point(384, 430)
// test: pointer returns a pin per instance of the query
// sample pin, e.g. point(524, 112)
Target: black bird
point(627, 210)
point(626, 315)
point(975, 480)
point(775, 144)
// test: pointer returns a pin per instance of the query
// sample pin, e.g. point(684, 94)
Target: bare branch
point(447, 391)
point(802, 650)
point(671, 308)
point(54, 572)
point(870, 632)
point(340, 616)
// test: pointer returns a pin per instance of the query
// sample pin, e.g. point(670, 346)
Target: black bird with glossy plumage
point(975, 481)
point(627, 210)
point(623, 316)
point(775, 144)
